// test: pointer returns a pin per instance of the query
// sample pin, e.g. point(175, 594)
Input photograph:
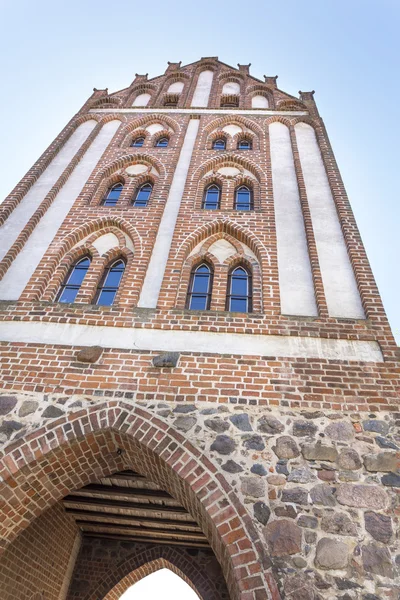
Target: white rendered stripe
point(341, 292)
point(24, 265)
point(295, 278)
point(203, 89)
point(20, 216)
point(162, 340)
point(159, 257)
point(201, 111)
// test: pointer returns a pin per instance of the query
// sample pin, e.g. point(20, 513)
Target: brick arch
point(291, 104)
point(49, 264)
point(141, 123)
point(220, 122)
point(125, 161)
point(142, 88)
point(218, 226)
point(81, 447)
point(145, 562)
point(106, 101)
point(234, 160)
point(304, 119)
point(278, 119)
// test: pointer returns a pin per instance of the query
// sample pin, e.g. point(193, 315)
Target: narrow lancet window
point(212, 195)
point(110, 283)
point(243, 198)
point(239, 296)
point(143, 195)
point(200, 288)
point(113, 195)
point(72, 283)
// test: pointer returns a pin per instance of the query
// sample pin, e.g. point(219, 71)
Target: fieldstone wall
point(323, 489)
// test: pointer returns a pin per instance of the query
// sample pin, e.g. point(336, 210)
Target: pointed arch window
point(110, 283)
point(162, 142)
point(143, 195)
point(240, 293)
point(72, 283)
point(138, 142)
point(200, 288)
point(113, 195)
point(244, 145)
point(243, 198)
point(212, 197)
point(219, 144)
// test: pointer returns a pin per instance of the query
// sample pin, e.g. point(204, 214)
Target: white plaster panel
point(105, 242)
point(158, 261)
point(129, 243)
point(259, 102)
point(295, 277)
point(232, 87)
point(340, 286)
point(248, 252)
point(222, 249)
point(23, 267)
point(228, 171)
point(136, 169)
point(232, 129)
point(176, 87)
point(203, 89)
point(189, 341)
point(36, 194)
point(154, 127)
point(141, 100)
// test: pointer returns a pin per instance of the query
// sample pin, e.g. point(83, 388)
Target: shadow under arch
point(138, 565)
point(81, 447)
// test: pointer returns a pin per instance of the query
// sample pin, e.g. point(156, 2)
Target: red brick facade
point(112, 402)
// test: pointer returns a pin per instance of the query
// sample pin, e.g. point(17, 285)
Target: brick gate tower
point(197, 370)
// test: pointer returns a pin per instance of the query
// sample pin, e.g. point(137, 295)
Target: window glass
point(107, 290)
point(113, 195)
point(244, 145)
point(162, 143)
point(143, 195)
point(239, 297)
point(199, 296)
point(243, 199)
point(138, 143)
point(72, 283)
point(211, 197)
point(219, 144)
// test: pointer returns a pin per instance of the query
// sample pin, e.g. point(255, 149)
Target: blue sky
point(52, 54)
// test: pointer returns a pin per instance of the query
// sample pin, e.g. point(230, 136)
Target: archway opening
point(161, 584)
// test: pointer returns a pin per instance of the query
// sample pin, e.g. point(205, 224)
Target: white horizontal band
point(201, 111)
point(189, 341)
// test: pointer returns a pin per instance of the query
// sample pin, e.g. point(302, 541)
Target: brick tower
point(197, 369)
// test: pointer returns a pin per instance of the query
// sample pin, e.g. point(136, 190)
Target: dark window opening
point(162, 142)
point(138, 143)
point(219, 144)
point(244, 145)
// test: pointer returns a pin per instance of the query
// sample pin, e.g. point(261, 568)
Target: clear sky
point(161, 585)
point(52, 54)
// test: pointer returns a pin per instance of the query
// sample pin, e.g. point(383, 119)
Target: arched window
point(219, 144)
point(243, 198)
point(113, 194)
point(138, 142)
point(143, 194)
point(211, 200)
point(244, 145)
point(239, 296)
point(109, 284)
point(162, 142)
point(200, 288)
point(71, 285)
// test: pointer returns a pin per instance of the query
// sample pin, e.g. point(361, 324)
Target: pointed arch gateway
point(106, 438)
